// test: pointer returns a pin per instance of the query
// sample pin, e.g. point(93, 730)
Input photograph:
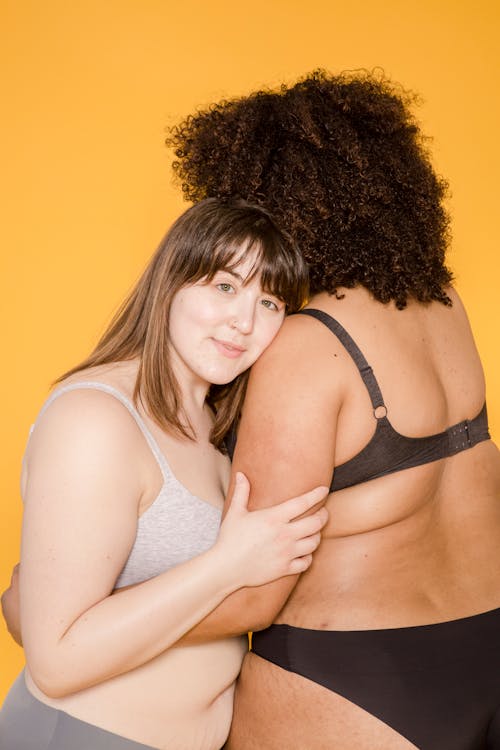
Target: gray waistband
point(28, 724)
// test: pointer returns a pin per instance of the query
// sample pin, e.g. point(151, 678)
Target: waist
point(389, 580)
point(182, 699)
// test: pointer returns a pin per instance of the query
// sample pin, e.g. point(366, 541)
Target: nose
point(244, 314)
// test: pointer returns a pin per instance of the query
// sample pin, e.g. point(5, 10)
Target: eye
point(270, 304)
point(225, 287)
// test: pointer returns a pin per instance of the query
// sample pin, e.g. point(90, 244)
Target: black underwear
point(436, 685)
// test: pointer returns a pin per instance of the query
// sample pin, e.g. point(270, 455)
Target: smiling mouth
point(227, 349)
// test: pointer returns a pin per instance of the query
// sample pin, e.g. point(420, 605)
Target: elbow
point(51, 685)
point(262, 622)
point(52, 690)
point(260, 614)
point(54, 678)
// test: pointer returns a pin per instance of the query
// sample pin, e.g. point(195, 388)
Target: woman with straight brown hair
point(124, 480)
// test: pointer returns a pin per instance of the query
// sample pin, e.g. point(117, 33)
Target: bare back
point(401, 544)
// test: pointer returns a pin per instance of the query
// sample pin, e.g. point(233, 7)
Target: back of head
point(340, 163)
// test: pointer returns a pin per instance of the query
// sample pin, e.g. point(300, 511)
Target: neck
point(193, 389)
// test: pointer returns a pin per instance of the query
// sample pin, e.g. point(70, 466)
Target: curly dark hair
point(341, 164)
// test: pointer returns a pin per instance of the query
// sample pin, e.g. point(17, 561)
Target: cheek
point(202, 307)
point(193, 307)
point(268, 331)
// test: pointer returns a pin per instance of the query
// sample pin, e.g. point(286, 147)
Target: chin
point(223, 378)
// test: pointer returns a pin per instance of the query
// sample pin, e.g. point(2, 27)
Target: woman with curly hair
point(390, 639)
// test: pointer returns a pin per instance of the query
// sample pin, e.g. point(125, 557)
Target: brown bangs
point(281, 267)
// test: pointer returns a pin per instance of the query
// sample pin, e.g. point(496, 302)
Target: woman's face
point(219, 328)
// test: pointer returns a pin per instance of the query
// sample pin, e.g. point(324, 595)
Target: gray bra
point(176, 527)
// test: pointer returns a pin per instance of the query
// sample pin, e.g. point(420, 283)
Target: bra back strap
point(468, 433)
point(352, 348)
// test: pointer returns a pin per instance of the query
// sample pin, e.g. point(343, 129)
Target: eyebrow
point(231, 269)
point(232, 273)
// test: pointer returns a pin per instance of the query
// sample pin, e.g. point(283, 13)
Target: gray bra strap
point(96, 386)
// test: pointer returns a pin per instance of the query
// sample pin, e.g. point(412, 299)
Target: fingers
point(308, 545)
point(309, 524)
point(307, 532)
point(300, 564)
point(290, 509)
point(304, 553)
point(241, 492)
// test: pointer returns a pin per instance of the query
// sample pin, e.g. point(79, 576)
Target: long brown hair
point(210, 236)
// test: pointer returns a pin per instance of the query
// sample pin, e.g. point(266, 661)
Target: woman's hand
point(263, 545)
point(10, 606)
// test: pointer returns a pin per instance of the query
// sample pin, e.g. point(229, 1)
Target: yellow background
point(88, 88)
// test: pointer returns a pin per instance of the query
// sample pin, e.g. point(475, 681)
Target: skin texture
point(89, 474)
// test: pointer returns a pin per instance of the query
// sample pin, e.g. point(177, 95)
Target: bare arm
point(81, 507)
point(286, 444)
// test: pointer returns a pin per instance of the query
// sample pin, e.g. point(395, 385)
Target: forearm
point(128, 629)
point(248, 609)
point(228, 621)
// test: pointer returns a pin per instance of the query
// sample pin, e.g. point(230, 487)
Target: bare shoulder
point(305, 352)
point(83, 409)
point(458, 309)
point(84, 425)
point(457, 304)
point(459, 317)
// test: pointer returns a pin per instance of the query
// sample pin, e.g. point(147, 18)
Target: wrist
point(224, 572)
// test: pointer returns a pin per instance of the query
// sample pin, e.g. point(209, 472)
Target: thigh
point(276, 709)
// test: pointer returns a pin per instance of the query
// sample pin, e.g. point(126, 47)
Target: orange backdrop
point(88, 89)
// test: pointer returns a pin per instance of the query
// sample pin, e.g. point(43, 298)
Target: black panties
point(437, 685)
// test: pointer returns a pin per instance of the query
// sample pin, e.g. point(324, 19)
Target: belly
point(182, 700)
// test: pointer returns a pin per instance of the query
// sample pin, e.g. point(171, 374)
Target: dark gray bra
point(389, 451)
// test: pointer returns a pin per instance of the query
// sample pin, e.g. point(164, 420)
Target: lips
point(228, 349)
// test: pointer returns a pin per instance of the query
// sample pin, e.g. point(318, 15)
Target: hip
point(28, 724)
